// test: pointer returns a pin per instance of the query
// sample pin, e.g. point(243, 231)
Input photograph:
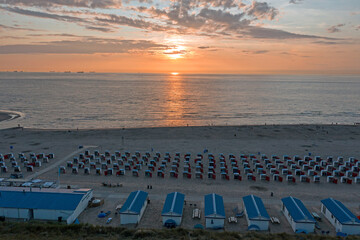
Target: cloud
point(296, 1)
point(226, 19)
point(88, 46)
point(43, 14)
point(326, 42)
point(4, 27)
point(204, 47)
point(68, 3)
point(335, 28)
point(268, 33)
point(261, 10)
point(101, 29)
point(220, 16)
point(116, 20)
point(255, 51)
point(357, 28)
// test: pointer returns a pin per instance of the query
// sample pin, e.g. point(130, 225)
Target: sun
point(176, 49)
point(174, 73)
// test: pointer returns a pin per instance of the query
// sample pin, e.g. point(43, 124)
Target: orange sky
point(181, 36)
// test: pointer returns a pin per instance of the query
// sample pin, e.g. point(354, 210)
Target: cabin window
point(212, 221)
point(332, 216)
point(324, 209)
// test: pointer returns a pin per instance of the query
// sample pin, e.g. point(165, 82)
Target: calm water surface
point(94, 100)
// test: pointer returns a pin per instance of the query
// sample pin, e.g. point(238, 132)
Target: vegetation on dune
point(41, 230)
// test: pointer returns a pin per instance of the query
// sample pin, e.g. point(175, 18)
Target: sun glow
point(176, 48)
point(174, 73)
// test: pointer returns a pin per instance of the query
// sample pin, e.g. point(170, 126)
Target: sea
point(114, 100)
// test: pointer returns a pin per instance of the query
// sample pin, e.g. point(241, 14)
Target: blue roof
point(134, 202)
point(214, 206)
point(174, 204)
point(340, 212)
point(40, 200)
point(255, 208)
point(297, 210)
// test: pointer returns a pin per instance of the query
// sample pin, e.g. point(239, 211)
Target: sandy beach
point(322, 140)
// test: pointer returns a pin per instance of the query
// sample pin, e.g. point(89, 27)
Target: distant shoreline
point(161, 128)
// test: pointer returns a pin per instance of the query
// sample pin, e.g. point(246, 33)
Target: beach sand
point(323, 140)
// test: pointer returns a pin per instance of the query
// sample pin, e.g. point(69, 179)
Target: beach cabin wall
point(263, 225)
point(348, 228)
point(309, 227)
point(176, 219)
point(46, 214)
point(15, 213)
point(132, 218)
point(214, 222)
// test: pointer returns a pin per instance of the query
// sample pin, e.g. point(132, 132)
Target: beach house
point(256, 214)
point(134, 207)
point(340, 217)
point(298, 216)
point(173, 209)
point(214, 211)
point(43, 204)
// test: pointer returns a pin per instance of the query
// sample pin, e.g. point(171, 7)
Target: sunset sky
point(185, 36)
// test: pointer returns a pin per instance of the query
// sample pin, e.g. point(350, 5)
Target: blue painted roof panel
point(214, 206)
point(340, 212)
point(255, 208)
point(297, 210)
point(134, 202)
point(40, 200)
point(174, 204)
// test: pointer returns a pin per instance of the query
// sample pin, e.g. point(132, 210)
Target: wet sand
point(4, 116)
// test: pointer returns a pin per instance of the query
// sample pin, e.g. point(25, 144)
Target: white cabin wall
point(177, 219)
point(214, 223)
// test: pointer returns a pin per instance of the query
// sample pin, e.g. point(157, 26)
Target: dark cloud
point(88, 46)
point(220, 16)
point(256, 51)
point(262, 10)
point(4, 27)
point(268, 33)
point(335, 28)
point(43, 14)
point(116, 20)
point(101, 29)
point(204, 47)
point(326, 42)
point(69, 3)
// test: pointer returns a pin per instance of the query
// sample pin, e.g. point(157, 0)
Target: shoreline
point(174, 127)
